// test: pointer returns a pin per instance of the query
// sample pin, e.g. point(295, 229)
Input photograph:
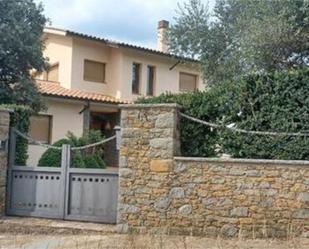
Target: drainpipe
point(86, 117)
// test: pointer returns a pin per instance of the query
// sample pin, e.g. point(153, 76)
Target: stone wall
point(4, 134)
point(163, 193)
point(148, 145)
point(252, 198)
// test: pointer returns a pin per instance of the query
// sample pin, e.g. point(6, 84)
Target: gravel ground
point(141, 242)
point(29, 233)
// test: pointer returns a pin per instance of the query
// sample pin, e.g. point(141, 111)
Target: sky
point(132, 21)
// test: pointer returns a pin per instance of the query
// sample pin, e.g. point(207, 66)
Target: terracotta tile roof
point(124, 45)
point(53, 89)
point(127, 45)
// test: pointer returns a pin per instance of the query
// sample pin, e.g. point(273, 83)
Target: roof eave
point(111, 104)
point(130, 46)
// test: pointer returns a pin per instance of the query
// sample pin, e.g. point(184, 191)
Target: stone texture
point(239, 212)
point(303, 197)
point(161, 165)
point(229, 230)
point(162, 203)
point(201, 196)
point(185, 209)
point(301, 214)
point(177, 193)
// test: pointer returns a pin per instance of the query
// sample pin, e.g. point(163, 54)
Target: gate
point(62, 192)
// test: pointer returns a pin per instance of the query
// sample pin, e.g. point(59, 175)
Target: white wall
point(95, 51)
point(58, 49)
point(166, 80)
point(65, 118)
point(71, 53)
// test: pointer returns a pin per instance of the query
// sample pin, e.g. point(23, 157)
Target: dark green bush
point(87, 158)
point(266, 102)
point(20, 119)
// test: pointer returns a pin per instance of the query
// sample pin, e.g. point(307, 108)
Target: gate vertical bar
point(67, 180)
point(11, 162)
point(65, 158)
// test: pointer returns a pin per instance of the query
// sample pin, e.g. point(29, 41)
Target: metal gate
point(62, 192)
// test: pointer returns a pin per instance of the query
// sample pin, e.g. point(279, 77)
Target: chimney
point(161, 36)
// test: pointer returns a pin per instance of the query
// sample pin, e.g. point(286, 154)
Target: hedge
point(277, 101)
point(88, 158)
point(20, 119)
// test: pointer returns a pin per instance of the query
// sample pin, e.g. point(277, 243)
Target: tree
point(242, 36)
point(21, 28)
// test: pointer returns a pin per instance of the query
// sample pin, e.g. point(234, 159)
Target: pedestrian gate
point(62, 192)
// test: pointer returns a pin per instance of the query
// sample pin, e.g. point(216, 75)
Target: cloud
point(133, 21)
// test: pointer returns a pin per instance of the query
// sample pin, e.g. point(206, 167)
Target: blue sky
point(133, 21)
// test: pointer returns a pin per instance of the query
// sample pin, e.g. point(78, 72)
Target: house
point(88, 77)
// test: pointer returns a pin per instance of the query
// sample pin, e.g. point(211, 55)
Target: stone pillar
point(150, 140)
point(4, 136)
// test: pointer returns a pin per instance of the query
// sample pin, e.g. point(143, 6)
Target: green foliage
point(266, 102)
point(242, 36)
point(21, 46)
point(20, 120)
point(87, 158)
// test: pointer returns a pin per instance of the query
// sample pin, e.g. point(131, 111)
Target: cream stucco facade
point(70, 52)
point(65, 118)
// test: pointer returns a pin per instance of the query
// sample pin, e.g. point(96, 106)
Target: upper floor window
point(40, 128)
point(136, 71)
point(187, 82)
point(94, 71)
point(52, 73)
point(150, 80)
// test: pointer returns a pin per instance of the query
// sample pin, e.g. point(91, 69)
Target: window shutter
point(94, 71)
point(187, 82)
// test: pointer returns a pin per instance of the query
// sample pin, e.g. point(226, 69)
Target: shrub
point(87, 158)
point(276, 101)
point(20, 119)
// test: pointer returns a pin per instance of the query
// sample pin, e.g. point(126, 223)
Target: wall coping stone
point(141, 106)
point(6, 110)
point(244, 161)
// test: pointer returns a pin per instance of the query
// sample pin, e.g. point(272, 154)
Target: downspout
point(86, 117)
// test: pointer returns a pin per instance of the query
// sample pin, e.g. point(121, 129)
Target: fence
point(63, 191)
point(162, 192)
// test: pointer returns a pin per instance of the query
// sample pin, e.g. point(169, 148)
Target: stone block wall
point(199, 196)
point(250, 198)
point(148, 144)
point(4, 135)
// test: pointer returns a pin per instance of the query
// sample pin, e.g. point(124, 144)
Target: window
point(52, 73)
point(150, 80)
point(187, 82)
point(94, 71)
point(136, 68)
point(40, 128)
